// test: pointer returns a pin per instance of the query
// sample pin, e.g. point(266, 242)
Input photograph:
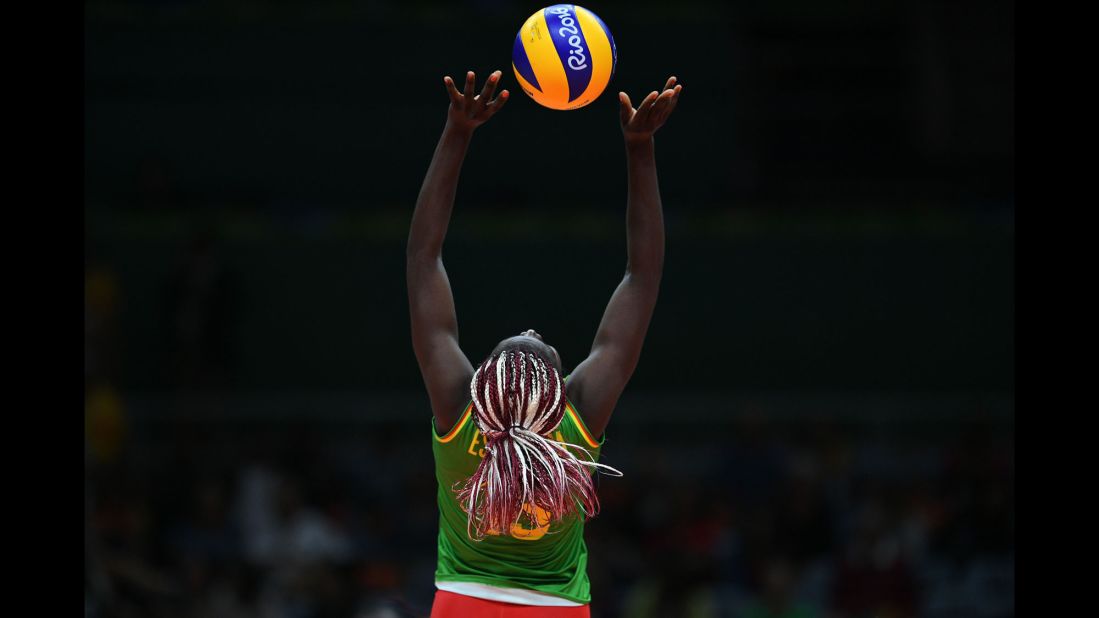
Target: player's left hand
point(638, 125)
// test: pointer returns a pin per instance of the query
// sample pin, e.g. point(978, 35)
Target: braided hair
point(518, 398)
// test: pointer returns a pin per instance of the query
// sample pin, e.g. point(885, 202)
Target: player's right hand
point(638, 125)
point(467, 112)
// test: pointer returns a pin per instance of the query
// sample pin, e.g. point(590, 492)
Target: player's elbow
point(647, 268)
point(420, 254)
point(644, 279)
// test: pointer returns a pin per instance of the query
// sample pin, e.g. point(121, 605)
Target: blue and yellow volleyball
point(564, 56)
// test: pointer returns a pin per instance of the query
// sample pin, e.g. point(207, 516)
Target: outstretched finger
point(455, 96)
point(625, 110)
point(499, 101)
point(646, 105)
point(670, 83)
point(490, 87)
point(470, 77)
point(675, 96)
point(662, 102)
point(675, 99)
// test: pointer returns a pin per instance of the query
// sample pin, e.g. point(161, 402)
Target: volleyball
point(564, 56)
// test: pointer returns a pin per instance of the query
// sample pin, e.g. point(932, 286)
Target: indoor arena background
point(822, 422)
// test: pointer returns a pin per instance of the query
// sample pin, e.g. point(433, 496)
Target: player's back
point(534, 554)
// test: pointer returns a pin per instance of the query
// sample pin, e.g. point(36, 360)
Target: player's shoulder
point(581, 435)
point(447, 410)
point(577, 394)
point(447, 434)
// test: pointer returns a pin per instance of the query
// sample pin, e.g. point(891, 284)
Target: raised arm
point(597, 382)
point(445, 369)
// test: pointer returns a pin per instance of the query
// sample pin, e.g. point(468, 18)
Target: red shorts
point(451, 605)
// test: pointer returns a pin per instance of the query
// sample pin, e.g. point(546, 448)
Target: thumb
point(625, 109)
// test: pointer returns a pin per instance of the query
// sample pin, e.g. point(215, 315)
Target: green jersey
point(550, 559)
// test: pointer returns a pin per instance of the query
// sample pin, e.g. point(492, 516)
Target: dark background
point(822, 423)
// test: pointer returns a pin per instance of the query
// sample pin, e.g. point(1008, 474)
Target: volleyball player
point(514, 442)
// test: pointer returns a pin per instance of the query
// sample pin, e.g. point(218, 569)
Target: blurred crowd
point(299, 519)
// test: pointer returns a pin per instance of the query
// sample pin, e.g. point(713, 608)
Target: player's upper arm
point(597, 382)
point(445, 368)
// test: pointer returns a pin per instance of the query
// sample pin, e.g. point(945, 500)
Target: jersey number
point(541, 516)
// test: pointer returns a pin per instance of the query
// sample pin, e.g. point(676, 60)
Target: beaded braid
point(518, 397)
